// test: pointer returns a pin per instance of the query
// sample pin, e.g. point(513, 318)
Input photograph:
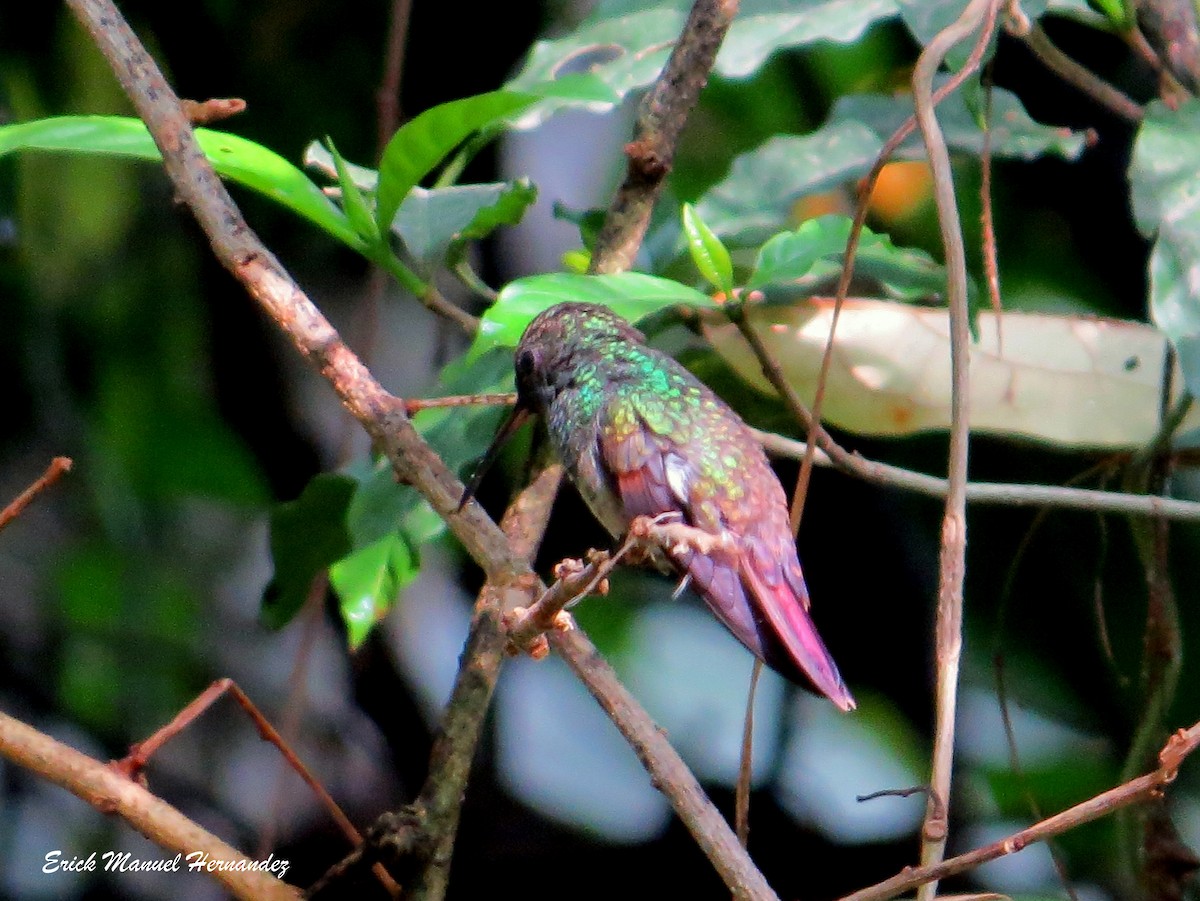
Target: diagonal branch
point(441, 796)
point(384, 419)
point(107, 789)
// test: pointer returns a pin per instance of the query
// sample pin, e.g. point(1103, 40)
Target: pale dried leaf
point(1070, 381)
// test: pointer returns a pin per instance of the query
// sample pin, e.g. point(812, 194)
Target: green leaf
point(368, 580)
point(624, 45)
point(363, 526)
point(1014, 134)
point(1165, 179)
point(423, 142)
point(307, 535)
point(757, 196)
point(431, 221)
point(904, 272)
point(237, 159)
point(588, 221)
point(354, 203)
point(629, 294)
point(708, 253)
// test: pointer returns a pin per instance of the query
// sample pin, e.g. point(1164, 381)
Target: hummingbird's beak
point(516, 419)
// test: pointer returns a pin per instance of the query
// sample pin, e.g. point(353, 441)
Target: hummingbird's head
point(552, 347)
point(556, 341)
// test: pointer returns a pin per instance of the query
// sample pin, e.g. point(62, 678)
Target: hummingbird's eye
point(524, 364)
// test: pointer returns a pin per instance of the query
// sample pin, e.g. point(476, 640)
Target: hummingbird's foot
point(677, 538)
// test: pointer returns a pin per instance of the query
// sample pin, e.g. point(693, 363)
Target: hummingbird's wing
point(758, 592)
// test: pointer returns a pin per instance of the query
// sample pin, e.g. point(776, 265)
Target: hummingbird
point(639, 435)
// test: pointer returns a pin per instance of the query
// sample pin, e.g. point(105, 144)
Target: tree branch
point(111, 792)
point(1002, 493)
point(661, 118)
point(384, 418)
point(441, 796)
point(1179, 746)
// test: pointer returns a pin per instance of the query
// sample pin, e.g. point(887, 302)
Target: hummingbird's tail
point(768, 614)
point(793, 636)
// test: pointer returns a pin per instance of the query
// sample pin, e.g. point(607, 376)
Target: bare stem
point(1078, 76)
point(1002, 493)
point(952, 561)
point(58, 466)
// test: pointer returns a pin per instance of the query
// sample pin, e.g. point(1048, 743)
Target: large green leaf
point(365, 527)
point(237, 159)
point(904, 272)
point(629, 294)
point(423, 142)
point(307, 535)
point(1165, 180)
point(755, 200)
point(625, 44)
point(430, 221)
point(368, 580)
point(1014, 134)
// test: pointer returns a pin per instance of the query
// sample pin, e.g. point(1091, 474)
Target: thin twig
point(979, 14)
point(1135, 791)
point(1083, 79)
point(865, 189)
point(1018, 771)
point(415, 405)
point(139, 754)
point(387, 98)
point(206, 112)
point(741, 817)
point(661, 118)
point(987, 217)
point(893, 793)
point(1000, 493)
point(58, 466)
point(107, 790)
